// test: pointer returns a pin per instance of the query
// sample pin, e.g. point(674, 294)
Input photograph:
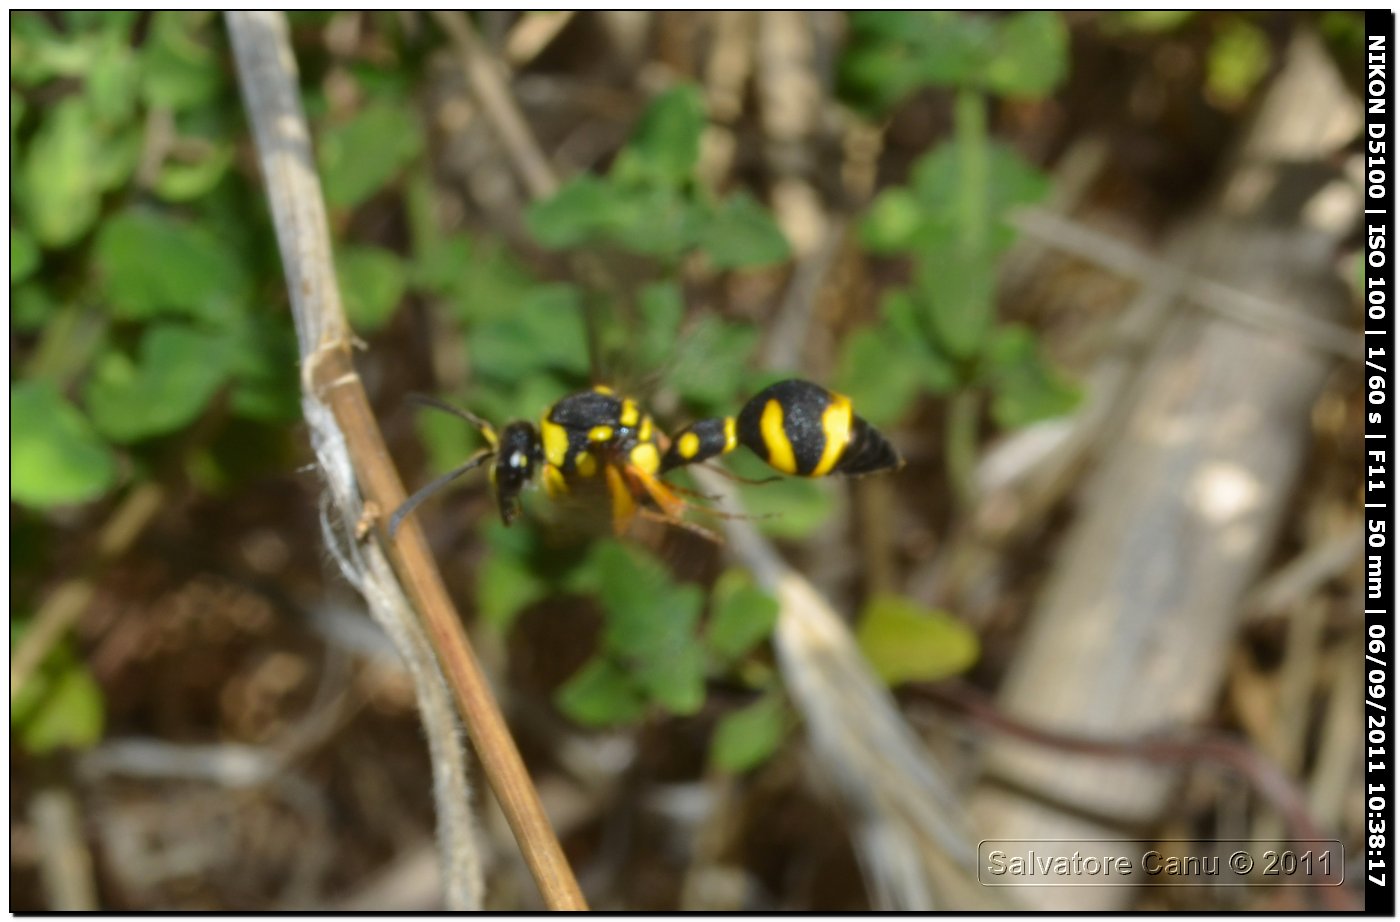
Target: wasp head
point(518, 457)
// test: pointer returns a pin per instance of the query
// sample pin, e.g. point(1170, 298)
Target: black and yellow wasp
point(795, 426)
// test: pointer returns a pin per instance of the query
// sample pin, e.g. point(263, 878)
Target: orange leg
point(659, 491)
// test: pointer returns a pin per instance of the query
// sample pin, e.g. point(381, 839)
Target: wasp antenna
point(424, 492)
point(427, 400)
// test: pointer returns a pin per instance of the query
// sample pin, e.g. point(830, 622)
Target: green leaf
point(360, 156)
point(938, 178)
point(186, 181)
point(1026, 389)
point(890, 54)
point(481, 279)
point(741, 234)
point(710, 361)
point(24, 255)
point(905, 642)
point(648, 614)
point(447, 439)
point(31, 306)
point(39, 54)
point(893, 223)
point(661, 305)
point(544, 333)
point(154, 264)
point(61, 706)
point(583, 209)
point(665, 146)
point(179, 70)
point(601, 694)
point(56, 458)
point(789, 507)
point(956, 293)
point(675, 677)
point(373, 281)
point(881, 372)
point(1239, 58)
point(266, 385)
point(439, 264)
point(904, 317)
point(1144, 20)
point(179, 371)
point(660, 222)
point(748, 737)
point(1032, 55)
point(113, 78)
point(58, 179)
point(505, 585)
point(744, 615)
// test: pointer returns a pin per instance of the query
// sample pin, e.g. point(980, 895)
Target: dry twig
point(360, 477)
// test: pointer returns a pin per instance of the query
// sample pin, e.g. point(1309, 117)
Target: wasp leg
point(725, 472)
point(659, 491)
point(555, 485)
point(624, 505)
point(691, 527)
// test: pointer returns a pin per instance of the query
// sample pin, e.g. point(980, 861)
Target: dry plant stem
point(336, 380)
point(489, 84)
point(351, 435)
point(914, 839)
point(1263, 775)
point(532, 34)
point(65, 864)
point(1112, 254)
point(66, 604)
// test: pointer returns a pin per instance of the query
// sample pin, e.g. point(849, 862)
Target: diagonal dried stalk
point(912, 833)
point(362, 484)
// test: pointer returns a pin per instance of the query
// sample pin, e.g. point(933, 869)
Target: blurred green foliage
point(940, 334)
point(908, 643)
point(61, 706)
point(650, 204)
point(139, 261)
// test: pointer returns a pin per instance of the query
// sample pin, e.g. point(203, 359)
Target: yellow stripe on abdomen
point(775, 438)
point(836, 427)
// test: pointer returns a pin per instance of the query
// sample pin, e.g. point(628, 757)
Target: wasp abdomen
point(802, 428)
point(701, 441)
point(868, 451)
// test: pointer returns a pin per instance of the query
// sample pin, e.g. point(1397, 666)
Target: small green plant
point(941, 334)
point(139, 261)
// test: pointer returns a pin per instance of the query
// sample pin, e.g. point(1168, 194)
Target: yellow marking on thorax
point(555, 439)
point(630, 414)
point(836, 426)
point(775, 438)
point(688, 445)
point(731, 434)
point(602, 389)
point(644, 433)
point(646, 457)
point(585, 464)
point(600, 433)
